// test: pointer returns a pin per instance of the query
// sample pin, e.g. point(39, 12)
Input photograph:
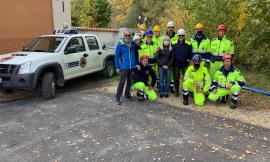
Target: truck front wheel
point(109, 70)
point(48, 85)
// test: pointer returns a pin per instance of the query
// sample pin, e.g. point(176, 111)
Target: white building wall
point(106, 38)
point(61, 13)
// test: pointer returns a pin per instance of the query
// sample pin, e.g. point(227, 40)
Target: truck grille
point(7, 69)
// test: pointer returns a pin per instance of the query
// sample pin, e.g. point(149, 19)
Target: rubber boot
point(185, 99)
point(140, 96)
point(233, 104)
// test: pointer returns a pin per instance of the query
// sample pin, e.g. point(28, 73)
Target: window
point(77, 43)
point(44, 44)
point(92, 43)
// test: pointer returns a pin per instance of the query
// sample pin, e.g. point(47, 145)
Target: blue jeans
point(164, 80)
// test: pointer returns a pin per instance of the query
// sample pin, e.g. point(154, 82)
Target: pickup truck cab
point(50, 60)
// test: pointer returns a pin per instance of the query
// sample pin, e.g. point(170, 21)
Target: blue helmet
point(197, 59)
point(149, 32)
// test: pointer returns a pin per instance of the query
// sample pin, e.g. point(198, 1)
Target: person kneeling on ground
point(227, 80)
point(196, 80)
point(141, 79)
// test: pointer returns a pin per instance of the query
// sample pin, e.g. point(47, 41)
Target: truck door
point(95, 57)
point(74, 57)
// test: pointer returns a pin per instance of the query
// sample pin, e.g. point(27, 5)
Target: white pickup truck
point(50, 60)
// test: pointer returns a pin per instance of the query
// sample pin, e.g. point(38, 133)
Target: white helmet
point(181, 32)
point(136, 37)
point(170, 24)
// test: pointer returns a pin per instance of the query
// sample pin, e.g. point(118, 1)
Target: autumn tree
point(120, 9)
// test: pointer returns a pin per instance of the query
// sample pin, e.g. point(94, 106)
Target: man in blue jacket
point(125, 63)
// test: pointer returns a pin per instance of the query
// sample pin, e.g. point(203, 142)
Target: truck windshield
point(44, 44)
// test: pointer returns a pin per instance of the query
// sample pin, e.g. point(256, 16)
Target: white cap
point(136, 37)
point(181, 32)
point(170, 24)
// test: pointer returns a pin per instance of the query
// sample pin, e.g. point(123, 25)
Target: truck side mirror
point(104, 46)
point(71, 49)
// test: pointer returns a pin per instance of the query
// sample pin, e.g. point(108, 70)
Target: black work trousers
point(126, 76)
point(176, 75)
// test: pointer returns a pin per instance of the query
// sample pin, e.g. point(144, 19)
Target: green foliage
point(76, 6)
point(248, 22)
point(133, 13)
point(94, 13)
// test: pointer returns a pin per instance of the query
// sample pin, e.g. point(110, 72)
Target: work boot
point(185, 99)
point(233, 104)
point(118, 102)
point(128, 98)
point(140, 98)
point(172, 89)
point(222, 99)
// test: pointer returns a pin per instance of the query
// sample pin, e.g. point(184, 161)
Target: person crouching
point(141, 81)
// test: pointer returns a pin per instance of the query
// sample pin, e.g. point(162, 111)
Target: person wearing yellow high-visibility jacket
point(171, 33)
point(200, 44)
point(157, 38)
point(142, 29)
point(196, 80)
point(173, 40)
point(149, 48)
point(228, 80)
point(220, 46)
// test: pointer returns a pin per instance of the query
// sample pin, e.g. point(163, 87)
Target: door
point(75, 62)
point(95, 56)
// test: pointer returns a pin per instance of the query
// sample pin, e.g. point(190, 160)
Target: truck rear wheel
point(48, 87)
point(109, 70)
point(8, 91)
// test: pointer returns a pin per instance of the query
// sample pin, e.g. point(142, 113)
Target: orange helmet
point(222, 27)
point(226, 56)
point(144, 58)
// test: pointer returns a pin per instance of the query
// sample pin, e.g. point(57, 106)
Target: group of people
point(149, 61)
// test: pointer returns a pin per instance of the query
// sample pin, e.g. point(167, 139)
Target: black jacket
point(136, 52)
point(165, 57)
point(182, 53)
point(143, 75)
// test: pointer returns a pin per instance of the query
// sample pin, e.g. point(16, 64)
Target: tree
point(120, 10)
point(76, 6)
point(95, 13)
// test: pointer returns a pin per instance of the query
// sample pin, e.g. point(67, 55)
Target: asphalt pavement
point(87, 125)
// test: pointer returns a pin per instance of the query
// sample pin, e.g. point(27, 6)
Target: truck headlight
point(25, 68)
